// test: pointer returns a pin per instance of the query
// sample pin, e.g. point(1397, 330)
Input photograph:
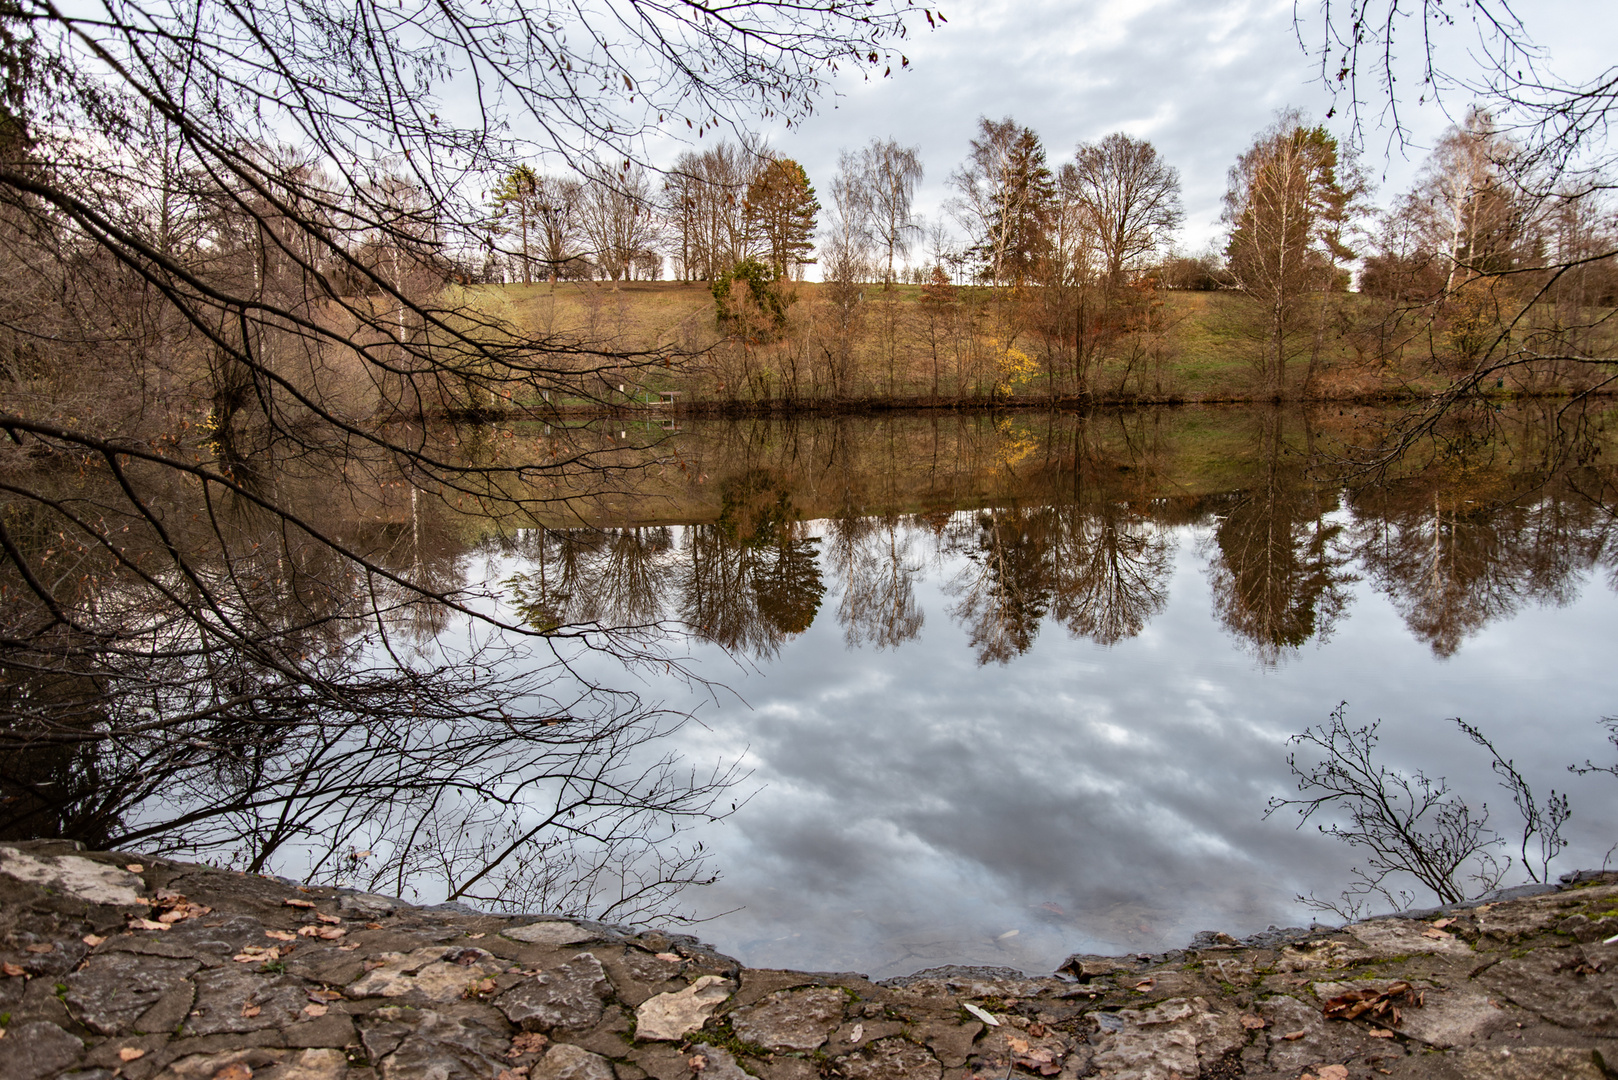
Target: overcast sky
point(1197, 78)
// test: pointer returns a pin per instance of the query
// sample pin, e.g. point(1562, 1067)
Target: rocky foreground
point(119, 965)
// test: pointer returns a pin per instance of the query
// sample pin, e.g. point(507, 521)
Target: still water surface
point(1040, 707)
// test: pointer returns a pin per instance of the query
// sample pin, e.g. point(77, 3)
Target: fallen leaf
point(1253, 1021)
point(673, 958)
point(373, 926)
point(281, 935)
point(39, 949)
point(527, 1042)
point(315, 1010)
point(1334, 1072)
point(324, 933)
point(1372, 1002)
point(1380, 1033)
point(980, 1014)
point(131, 1053)
point(697, 1062)
point(330, 920)
point(1434, 932)
point(92, 940)
point(294, 902)
point(857, 1034)
point(320, 996)
point(135, 868)
point(12, 970)
point(480, 934)
point(1294, 1036)
point(1145, 986)
point(239, 1071)
point(251, 1011)
point(147, 924)
point(1441, 923)
point(348, 948)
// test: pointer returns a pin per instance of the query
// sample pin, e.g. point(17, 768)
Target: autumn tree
point(704, 197)
point(1288, 208)
point(781, 210)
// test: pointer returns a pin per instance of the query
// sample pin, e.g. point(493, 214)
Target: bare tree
point(616, 215)
point(1130, 198)
point(888, 174)
point(1004, 191)
point(200, 612)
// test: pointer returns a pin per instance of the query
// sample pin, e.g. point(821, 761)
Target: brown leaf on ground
point(131, 1053)
point(135, 868)
point(92, 940)
point(1253, 1021)
point(315, 1010)
point(239, 1071)
point(697, 1062)
point(12, 970)
point(40, 949)
point(332, 920)
point(673, 958)
point(147, 924)
point(1380, 1033)
point(526, 1042)
point(1145, 986)
point(281, 935)
point(1294, 1036)
point(324, 933)
point(294, 902)
point(1378, 1003)
point(1441, 923)
point(251, 1011)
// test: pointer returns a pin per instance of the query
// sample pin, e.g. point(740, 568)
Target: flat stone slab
point(551, 933)
point(74, 875)
point(570, 996)
point(263, 980)
point(791, 1019)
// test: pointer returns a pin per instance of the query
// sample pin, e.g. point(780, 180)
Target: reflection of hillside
point(1069, 517)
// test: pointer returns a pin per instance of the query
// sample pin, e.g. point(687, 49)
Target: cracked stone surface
point(791, 1019)
point(1523, 988)
point(671, 1016)
point(570, 996)
point(113, 990)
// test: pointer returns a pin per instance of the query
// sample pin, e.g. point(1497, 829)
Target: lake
point(1007, 688)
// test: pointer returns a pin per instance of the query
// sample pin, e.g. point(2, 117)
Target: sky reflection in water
point(915, 807)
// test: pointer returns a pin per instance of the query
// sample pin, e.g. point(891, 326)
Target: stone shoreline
point(126, 966)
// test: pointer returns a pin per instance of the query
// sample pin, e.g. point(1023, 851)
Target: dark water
point(1011, 689)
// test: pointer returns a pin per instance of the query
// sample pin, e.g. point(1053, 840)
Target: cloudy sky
point(1197, 78)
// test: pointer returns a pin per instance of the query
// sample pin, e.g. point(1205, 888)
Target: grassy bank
point(837, 350)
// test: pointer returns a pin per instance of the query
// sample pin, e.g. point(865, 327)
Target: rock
point(36, 1049)
point(671, 1016)
point(1406, 937)
point(554, 933)
point(436, 974)
point(791, 1019)
point(368, 905)
point(115, 989)
point(565, 1062)
point(1549, 982)
point(1529, 1063)
point(892, 1058)
point(1320, 954)
point(412, 1044)
point(1178, 1038)
point(84, 879)
point(224, 994)
point(718, 1064)
point(205, 1066)
point(951, 1042)
point(569, 996)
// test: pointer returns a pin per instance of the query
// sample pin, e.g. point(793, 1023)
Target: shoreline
point(119, 965)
